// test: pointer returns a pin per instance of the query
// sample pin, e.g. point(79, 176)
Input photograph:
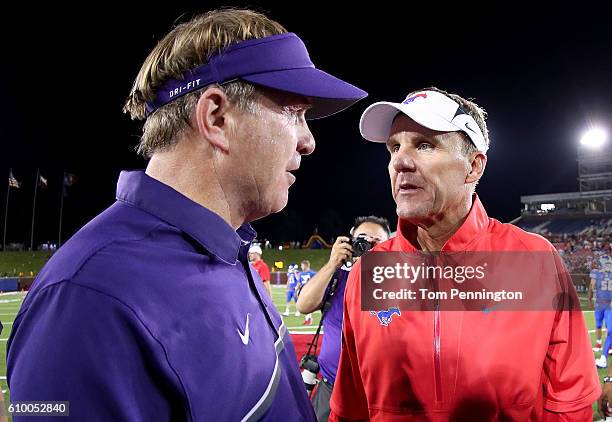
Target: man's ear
point(212, 119)
point(478, 163)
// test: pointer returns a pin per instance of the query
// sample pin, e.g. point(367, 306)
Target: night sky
point(542, 75)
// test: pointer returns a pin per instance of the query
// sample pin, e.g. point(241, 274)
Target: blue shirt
point(603, 287)
point(305, 276)
point(292, 281)
point(152, 312)
point(596, 274)
point(332, 327)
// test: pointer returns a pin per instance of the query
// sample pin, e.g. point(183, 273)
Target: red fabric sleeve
point(265, 272)
point(348, 401)
point(584, 414)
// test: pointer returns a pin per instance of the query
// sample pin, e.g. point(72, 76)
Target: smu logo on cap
point(414, 97)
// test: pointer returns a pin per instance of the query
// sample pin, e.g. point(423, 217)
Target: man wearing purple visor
point(151, 311)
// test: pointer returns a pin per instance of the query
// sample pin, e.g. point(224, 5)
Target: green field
point(317, 257)
point(10, 303)
point(13, 263)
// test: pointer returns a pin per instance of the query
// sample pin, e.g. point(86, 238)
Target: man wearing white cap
point(442, 365)
point(260, 266)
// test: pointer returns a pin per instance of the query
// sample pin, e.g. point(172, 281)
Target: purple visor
point(279, 62)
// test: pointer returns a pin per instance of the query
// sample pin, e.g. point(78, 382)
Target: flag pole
point(8, 191)
point(34, 210)
point(59, 236)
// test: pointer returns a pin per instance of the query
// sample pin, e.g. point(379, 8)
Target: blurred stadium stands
point(579, 224)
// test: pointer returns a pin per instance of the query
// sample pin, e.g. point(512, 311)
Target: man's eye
point(424, 146)
point(295, 113)
point(394, 148)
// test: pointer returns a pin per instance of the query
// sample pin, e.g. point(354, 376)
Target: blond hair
point(187, 46)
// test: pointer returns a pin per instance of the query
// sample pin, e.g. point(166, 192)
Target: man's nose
point(306, 142)
point(402, 162)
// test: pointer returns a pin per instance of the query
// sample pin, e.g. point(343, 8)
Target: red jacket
point(262, 269)
point(460, 365)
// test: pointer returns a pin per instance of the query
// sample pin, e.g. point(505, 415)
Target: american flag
point(13, 183)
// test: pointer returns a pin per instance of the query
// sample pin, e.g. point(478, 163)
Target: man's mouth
point(294, 166)
point(406, 187)
point(291, 176)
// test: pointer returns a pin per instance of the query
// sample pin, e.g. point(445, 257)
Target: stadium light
point(594, 138)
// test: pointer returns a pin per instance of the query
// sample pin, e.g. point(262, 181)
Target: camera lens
point(361, 246)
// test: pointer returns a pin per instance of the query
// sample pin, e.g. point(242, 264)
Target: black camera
point(361, 245)
point(310, 369)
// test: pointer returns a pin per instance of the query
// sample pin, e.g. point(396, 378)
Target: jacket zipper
point(436, 344)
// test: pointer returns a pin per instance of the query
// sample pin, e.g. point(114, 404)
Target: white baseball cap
point(255, 249)
point(430, 109)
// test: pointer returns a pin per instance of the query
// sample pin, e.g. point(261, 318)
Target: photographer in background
point(329, 284)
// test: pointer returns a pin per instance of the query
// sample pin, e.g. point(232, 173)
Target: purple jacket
point(151, 312)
